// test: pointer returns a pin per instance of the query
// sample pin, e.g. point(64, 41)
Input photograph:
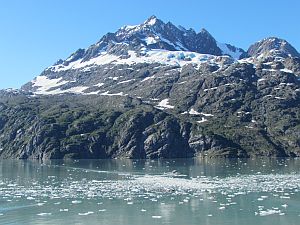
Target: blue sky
point(35, 34)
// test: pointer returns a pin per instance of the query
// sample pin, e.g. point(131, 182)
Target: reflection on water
point(181, 191)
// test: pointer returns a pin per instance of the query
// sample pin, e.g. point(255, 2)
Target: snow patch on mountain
point(202, 120)
point(126, 81)
point(43, 83)
point(76, 90)
point(148, 78)
point(130, 29)
point(113, 94)
point(47, 86)
point(286, 70)
point(99, 85)
point(234, 52)
point(150, 40)
point(194, 112)
point(164, 104)
point(151, 21)
point(164, 57)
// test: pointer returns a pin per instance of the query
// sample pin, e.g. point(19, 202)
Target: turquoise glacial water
point(149, 192)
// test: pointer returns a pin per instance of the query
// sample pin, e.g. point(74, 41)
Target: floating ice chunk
point(64, 210)
point(86, 214)
point(44, 214)
point(269, 212)
point(156, 217)
point(76, 202)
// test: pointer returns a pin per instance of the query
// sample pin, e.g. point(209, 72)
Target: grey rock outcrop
point(156, 90)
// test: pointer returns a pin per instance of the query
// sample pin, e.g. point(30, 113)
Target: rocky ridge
point(157, 90)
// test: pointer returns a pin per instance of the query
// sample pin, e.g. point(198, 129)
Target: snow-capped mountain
point(151, 37)
point(158, 90)
point(155, 34)
point(272, 47)
point(150, 43)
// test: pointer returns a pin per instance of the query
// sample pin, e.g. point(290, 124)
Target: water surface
point(133, 192)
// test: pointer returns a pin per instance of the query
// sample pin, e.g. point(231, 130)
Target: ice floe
point(136, 188)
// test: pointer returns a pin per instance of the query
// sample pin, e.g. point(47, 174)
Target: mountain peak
point(152, 20)
point(152, 34)
point(272, 47)
point(204, 31)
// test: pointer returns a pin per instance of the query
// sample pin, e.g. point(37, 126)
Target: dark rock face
point(247, 112)
point(206, 44)
point(146, 92)
point(33, 130)
point(273, 47)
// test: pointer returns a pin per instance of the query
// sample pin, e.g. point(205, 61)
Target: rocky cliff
point(158, 90)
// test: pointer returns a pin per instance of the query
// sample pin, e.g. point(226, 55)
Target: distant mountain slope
point(158, 90)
